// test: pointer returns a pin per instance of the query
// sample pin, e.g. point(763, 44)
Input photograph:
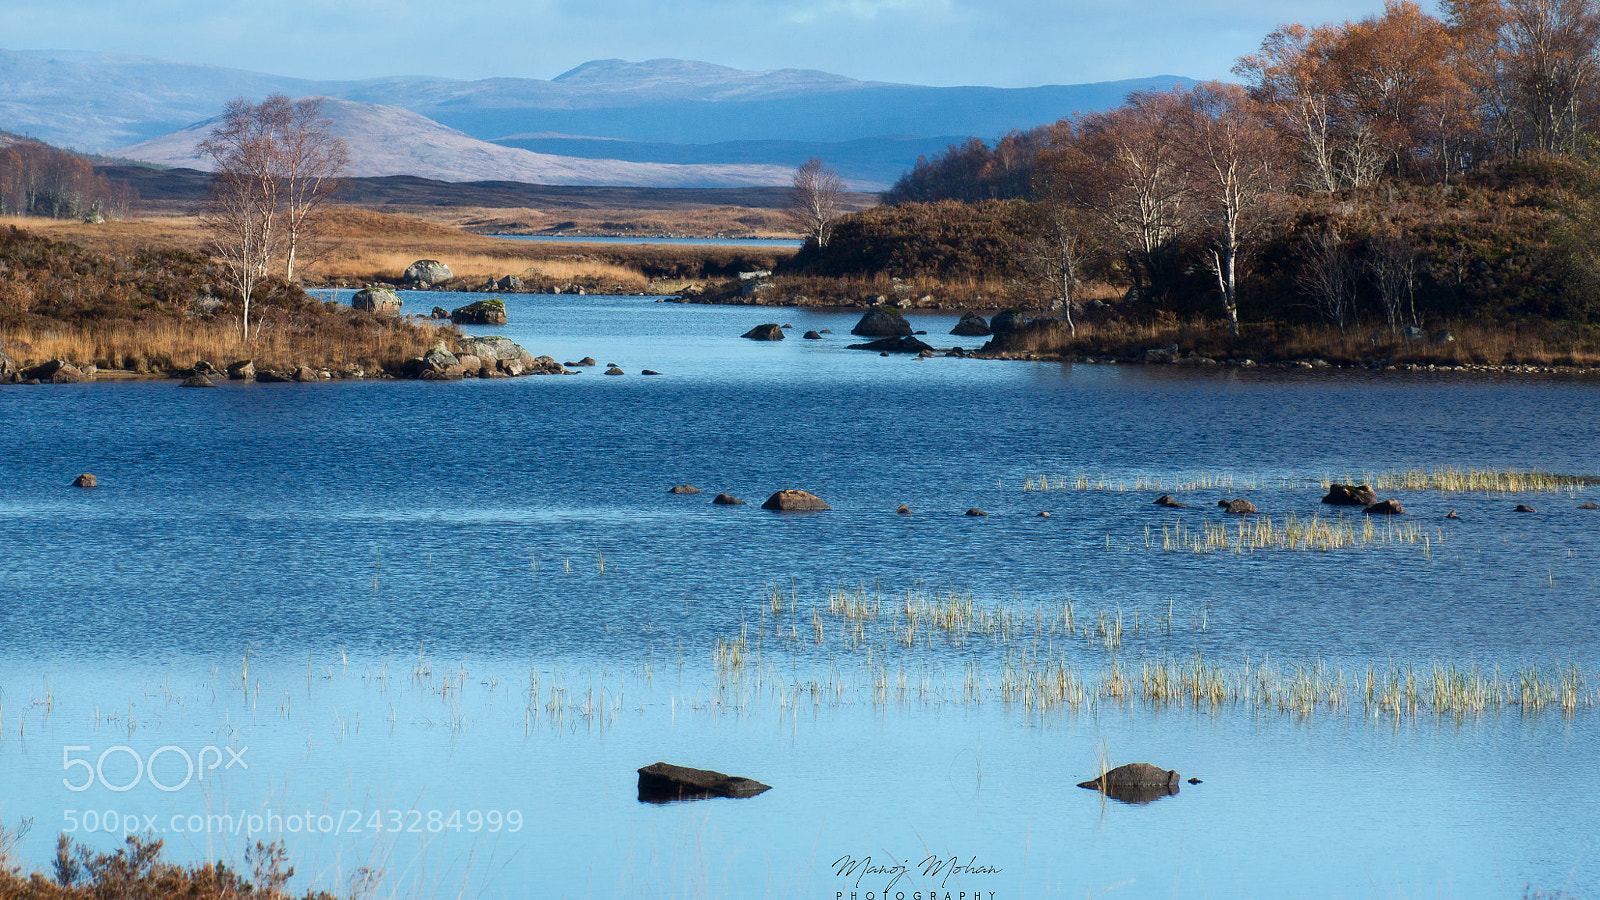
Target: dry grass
point(357, 265)
point(1531, 343)
point(1461, 481)
point(722, 221)
point(282, 343)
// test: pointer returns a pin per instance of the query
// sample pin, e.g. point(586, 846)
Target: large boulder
point(10, 372)
point(500, 356)
point(727, 500)
point(768, 332)
point(425, 272)
point(971, 325)
point(1135, 783)
point(1007, 321)
point(243, 370)
point(882, 322)
point(1169, 502)
point(1385, 508)
point(484, 312)
point(56, 371)
point(197, 381)
point(86, 480)
point(811, 336)
point(378, 300)
point(664, 783)
point(795, 501)
point(907, 344)
point(684, 489)
point(307, 375)
point(1238, 507)
point(1350, 495)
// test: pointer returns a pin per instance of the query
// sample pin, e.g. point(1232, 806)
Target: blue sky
point(1008, 43)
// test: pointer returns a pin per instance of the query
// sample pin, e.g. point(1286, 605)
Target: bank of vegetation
point(1373, 187)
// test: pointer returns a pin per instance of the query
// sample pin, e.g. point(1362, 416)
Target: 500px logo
point(209, 759)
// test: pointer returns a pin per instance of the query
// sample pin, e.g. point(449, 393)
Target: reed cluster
point(1315, 533)
point(1460, 481)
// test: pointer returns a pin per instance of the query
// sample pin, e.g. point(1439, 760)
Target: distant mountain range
point(661, 113)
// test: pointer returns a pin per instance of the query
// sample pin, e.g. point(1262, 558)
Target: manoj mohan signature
point(932, 866)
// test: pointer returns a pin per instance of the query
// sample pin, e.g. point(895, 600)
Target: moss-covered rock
point(483, 312)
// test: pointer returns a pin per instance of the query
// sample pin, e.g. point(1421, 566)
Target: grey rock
point(378, 300)
point(243, 370)
point(425, 272)
point(484, 312)
point(971, 325)
point(197, 381)
point(768, 332)
point(882, 322)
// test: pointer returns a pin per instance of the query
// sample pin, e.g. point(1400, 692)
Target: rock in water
point(649, 372)
point(1238, 507)
point(1385, 508)
point(664, 783)
point(85, 480)
point(586, 362)
point(976, 512)
point(1350, 495)
point(1589, 506)
point(1452, 515)
point(197, 381)
point(425, 272)
point(483, 312)
point(1135, 783)
point(795, 501)
point(1521, 507)
point(56, 371)
point(811, 336)
point(614, 370)
point(684, 489)
point(439, 312)
point(1167, 501)
point(727, 500)
point(767, 332)
point(378, 300)
point(907, 344)
point(503, 356)
point(882, 322)
point(971, 325)
point(10, 372)
point(904, 510)
point(306, 375)
point(243, 370)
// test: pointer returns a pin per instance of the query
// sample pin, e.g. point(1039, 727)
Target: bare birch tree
point(1056, 252)
point(815, 201)
point(308, 166)
point(1326, 276)
point(1392, 262)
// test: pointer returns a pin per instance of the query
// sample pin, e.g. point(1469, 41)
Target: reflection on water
point(479, 598)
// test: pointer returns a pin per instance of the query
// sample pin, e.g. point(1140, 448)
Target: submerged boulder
point(1523, 507)
point(1168, 501)
point(378, 300)
point(1350, 495)
point(1589, 505)
point(971, 325)
point(197, 381)
point(1135, 783)
point(425, 272)
point(1385, 508)
point(684, 489)
point(768, 332)
point(795, 501)
point(484, 312)
point(811, 336)
point(727, 500)
point(905, 344)
point(664, 783)
point(243, 370)
point(1238, 507)
point(882, 322)
point(85, 480)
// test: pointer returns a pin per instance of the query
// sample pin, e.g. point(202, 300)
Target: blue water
point(682, 242)
point(399, 559)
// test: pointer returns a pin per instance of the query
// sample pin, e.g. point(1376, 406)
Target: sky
point(1003, 43)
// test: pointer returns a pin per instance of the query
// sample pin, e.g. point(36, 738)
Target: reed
point(1296, 533)
point(1450, 480)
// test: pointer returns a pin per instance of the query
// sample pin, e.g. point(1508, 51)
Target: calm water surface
point(478, 597)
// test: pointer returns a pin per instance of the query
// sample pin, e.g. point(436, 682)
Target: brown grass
point(722, 221)
point(1530, 343)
